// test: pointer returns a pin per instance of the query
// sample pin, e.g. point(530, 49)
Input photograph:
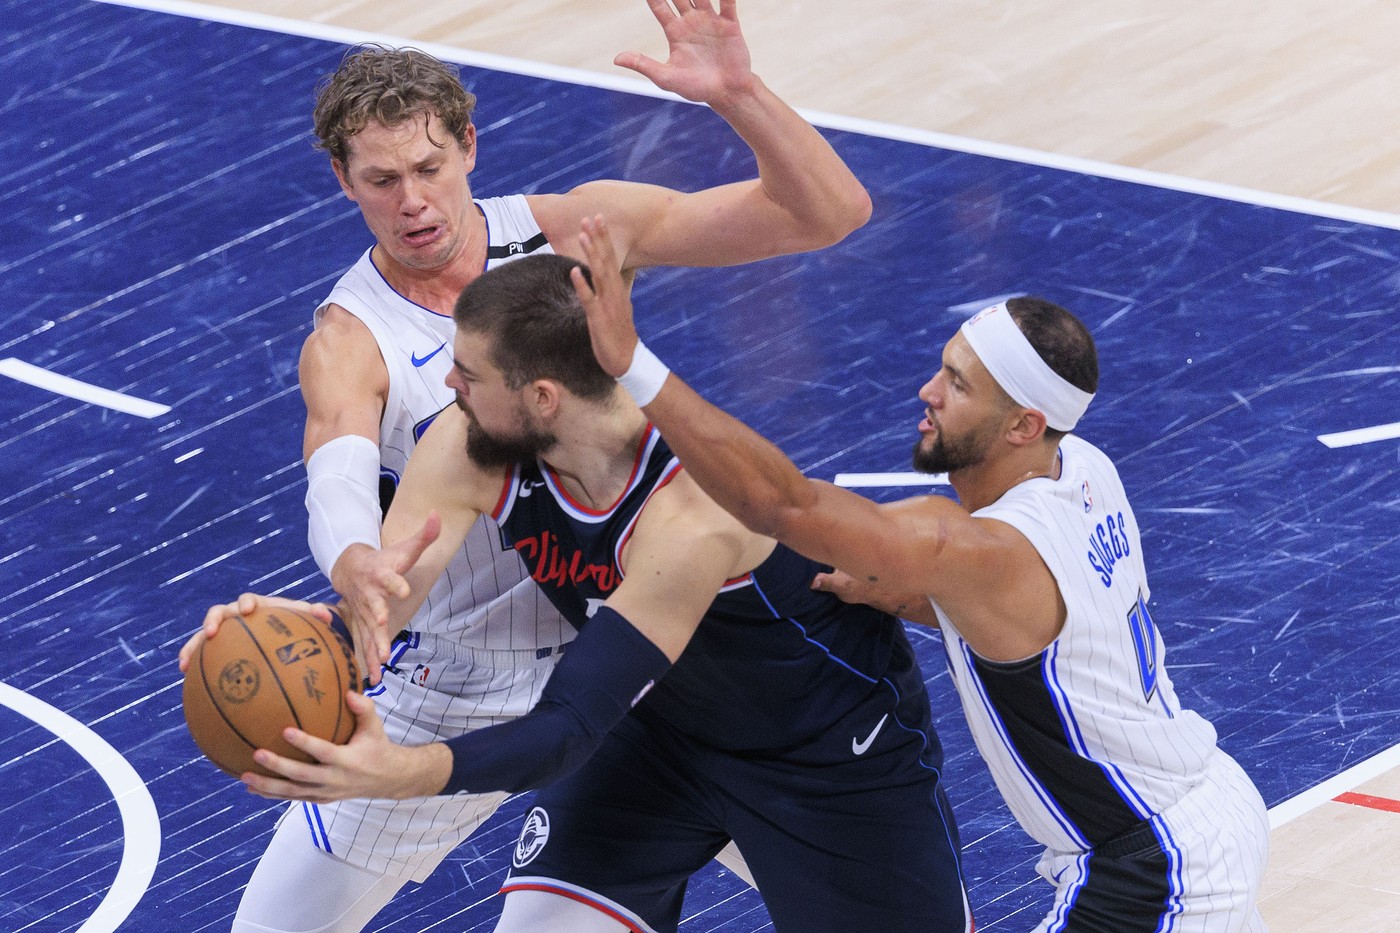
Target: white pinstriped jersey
point(1087, 738)
point(485, 599)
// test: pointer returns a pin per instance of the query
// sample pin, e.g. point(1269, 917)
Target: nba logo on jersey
point(533, 836)
point(1088, 498)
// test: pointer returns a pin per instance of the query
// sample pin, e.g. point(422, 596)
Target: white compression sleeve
point(342, 498)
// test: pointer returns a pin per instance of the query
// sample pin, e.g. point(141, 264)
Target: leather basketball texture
point(263, 672)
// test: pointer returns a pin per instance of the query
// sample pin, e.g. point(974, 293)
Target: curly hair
point(389, 86)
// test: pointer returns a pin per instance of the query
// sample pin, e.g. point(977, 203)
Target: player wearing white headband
point(1038, 583)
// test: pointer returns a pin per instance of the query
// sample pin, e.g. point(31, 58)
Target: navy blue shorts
point(836, 841)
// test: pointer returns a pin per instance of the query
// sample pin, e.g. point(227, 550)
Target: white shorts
point(1207, 851)
point(434, 689)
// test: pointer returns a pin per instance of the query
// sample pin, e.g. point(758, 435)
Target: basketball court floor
point(170, 228)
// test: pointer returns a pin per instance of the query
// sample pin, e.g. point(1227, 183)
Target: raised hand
point(367, 579)
point(709, 59)
point(606, 302)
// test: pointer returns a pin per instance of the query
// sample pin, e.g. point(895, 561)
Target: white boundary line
point(1349, 779)
point(853, 480)
point(140, 821)
point(50, 381)
point(818, 118)
point(1381, 432)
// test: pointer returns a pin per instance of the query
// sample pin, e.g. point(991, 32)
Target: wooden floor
point(1297, 98)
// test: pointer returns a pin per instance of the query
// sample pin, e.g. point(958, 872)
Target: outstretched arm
point(679, 556)
point(898, 545)
point(805, 197)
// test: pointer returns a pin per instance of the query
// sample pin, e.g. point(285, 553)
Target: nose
point(413, 201)
point(929, 394)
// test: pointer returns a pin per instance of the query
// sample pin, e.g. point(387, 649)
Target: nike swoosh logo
point(416, 360)
point(860, 748)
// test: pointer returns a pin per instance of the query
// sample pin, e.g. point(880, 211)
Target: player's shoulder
point(683, 514)
point(339, 331)
point(342, 347)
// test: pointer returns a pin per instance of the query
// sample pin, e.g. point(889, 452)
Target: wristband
point(645, 377)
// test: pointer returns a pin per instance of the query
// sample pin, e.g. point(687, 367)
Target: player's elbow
point(856, 209)
point(844, 213)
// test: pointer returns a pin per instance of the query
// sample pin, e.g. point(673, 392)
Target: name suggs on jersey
point(1108, 544)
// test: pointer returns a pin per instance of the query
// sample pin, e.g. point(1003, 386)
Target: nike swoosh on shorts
point(860, 748)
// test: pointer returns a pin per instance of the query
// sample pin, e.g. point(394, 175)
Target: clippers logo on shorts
point(533, 837)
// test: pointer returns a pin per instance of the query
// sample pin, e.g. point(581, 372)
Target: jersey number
point(1145, 643)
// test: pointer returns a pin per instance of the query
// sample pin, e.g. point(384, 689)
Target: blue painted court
point(168, 230)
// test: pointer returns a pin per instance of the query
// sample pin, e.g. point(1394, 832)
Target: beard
point(491, 450)
point(946, 456)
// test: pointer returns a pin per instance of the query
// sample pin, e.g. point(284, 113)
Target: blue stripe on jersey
point(1075, 735)
point(809, 639)
point(898, 697)
point(1047, 800)
point(1174, 873)
point(318, 829)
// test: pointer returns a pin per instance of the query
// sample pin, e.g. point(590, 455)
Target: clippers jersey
point(485, 599)
point(1086, 739)
point(771, 665)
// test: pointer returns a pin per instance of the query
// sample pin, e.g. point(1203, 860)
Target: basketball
point(262, 672)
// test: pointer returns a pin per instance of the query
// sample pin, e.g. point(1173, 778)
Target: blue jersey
point(773, 663)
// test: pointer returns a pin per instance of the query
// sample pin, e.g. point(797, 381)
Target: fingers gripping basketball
point(264, 671)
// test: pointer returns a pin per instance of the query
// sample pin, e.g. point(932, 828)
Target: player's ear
point(468, 144)
point(543, 398)
point(1027, 427)
point(341, 176)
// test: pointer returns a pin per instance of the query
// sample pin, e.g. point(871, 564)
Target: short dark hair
point(1061, 340)
point(389, 86)
point(531, 316)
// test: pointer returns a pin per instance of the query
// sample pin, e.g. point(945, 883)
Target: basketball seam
point(217, 707)
point(291, 707)
point(340, 706)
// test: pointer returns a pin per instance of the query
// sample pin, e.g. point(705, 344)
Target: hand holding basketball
point(268, 665)
point(369, 765)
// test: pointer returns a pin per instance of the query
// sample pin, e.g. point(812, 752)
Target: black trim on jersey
point(507, 250)
point(1128, 889)
point(1080, 788)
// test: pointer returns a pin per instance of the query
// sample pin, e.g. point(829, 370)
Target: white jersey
point(1086, 739)
point(486, 598)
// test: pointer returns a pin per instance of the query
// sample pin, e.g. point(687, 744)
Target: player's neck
point(597, 451)
point(980, 485)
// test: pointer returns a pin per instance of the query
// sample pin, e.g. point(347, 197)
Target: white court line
point(850, 480)
point(82, 391)
point(830, 121)
point(1349, 779)
point(1381, 432)
point(140, 821)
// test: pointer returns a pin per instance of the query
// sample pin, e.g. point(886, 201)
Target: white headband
point(1020, 371)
